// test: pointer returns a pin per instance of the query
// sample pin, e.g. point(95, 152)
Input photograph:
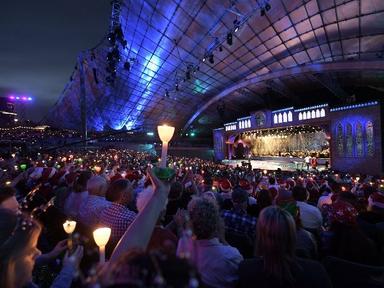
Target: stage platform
point(273, 163)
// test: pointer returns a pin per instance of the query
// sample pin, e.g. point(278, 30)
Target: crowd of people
point(203, 224)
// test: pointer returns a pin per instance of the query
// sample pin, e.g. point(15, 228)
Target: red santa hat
point(244, 184)
point(47, 174)
point(115, 177)
point(225, 185)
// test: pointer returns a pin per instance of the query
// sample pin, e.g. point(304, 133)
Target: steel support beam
point(331, 84)
point(377, 65)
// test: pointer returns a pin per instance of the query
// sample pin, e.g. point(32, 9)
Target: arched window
point(322, 112)
point(317, 113)
point(275, 119)
point(339, 140)
point(290, 116)
point(349, 140)
point(370, 144)
point(304, 116)
point(249, 123)
point(359, 140)
point(308, 114)
point(280, 118)
point(313, 114)
point(285, 117)
point(300, 116)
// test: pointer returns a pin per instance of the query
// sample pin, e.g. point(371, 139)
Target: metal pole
point(83, 100)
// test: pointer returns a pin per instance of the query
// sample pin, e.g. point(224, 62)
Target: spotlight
point(267, 7)
point(210, 59)
point(236, 23)
point(229, 39)
point(127, 66)
point(204, 59)
point(177, 86)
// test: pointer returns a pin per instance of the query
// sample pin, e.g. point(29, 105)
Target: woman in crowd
point(276, 264)
point(18, 252)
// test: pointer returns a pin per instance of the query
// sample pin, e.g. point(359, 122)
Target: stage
point(273, 163)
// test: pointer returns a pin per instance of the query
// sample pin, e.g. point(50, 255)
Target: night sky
point(39, 44)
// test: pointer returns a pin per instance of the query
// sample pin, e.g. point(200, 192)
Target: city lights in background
point(20, 98)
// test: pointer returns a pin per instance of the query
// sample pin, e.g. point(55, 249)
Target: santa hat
point(244, 184)
point(225, 185)
point(47, 174)
point(341, 212)
point(115, 177)
point(58, 177)
point(132, 175)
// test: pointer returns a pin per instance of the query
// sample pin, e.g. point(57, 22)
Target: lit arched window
point(300, 116)
point(322, 112)
point(317, 113)
point(285, 117)
point(349, 140)
point(274, 119)
point(313, 114)
point(249, 123)
point(308, 114)
point(280, 118)
point(304, 116)
point(290, 116)
point(339, 140)
point(359, 140)
point(370, 144)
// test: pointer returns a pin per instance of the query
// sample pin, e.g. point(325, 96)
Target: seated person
point(117, 216)
point(276, 264)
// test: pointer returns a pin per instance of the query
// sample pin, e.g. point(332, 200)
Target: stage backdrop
point(294, 144)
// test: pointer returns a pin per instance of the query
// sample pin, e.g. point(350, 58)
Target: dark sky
point(39, 44)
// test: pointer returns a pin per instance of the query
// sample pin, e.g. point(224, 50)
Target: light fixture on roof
point(267, 7)
point(127, 66)
point(262, 12)
point(188, 75)
point(221, 48)
point(236, 24)
point(166, 93)
point(211, 59)
point(204, 59)
point(229, 39)
point(177, 86)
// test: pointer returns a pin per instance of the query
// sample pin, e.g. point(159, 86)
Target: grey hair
point(204, 215)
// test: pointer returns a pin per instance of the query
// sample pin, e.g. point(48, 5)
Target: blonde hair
point(17, 234)
point(275, 242)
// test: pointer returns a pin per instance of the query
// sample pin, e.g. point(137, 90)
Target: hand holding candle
point(69, 227)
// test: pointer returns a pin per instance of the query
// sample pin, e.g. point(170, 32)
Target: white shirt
point(74, 203)
point(310, 215)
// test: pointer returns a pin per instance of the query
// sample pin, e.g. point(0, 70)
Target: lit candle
point(165, 133)
point(69, 227)
point(101, 236)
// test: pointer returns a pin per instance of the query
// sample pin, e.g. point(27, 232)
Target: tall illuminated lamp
point(165, 134)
